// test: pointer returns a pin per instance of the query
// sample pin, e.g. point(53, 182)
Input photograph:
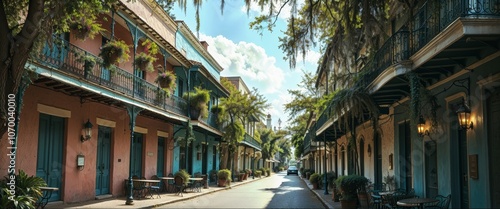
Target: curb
point(198, 195)
point(326, 204)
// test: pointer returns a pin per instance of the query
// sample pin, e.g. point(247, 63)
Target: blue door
point(137, 155)
point(50, 152)
point(103, 160)
point(160, 163)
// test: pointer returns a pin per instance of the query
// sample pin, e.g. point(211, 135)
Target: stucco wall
point(79, 185)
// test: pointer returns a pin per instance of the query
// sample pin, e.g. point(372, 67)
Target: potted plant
point(257, 173)
point(241, 175)
point(223, 177)
point(144, 60)
point(315, 179)
point(113, 52)
point(166, 80)
point(27, 191)
point(184, 175)
point(249, 172)
point(348, 187)
point(85, 28)
point(198, 102)
point(88, 62)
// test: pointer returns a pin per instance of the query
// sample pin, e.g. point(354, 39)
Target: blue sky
point(243, 52)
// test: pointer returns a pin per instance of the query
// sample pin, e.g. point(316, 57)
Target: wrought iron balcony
point(66, 57)
point(432, 18)
point(249, 140)
point(211, 120)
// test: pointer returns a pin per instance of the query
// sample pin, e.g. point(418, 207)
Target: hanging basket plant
point(198, 102)
point(85, 28)
point(114, 52)
point(145, 59)
point(167, 81)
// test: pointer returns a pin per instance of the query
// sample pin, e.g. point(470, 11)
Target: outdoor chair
point(170, 184)
point(444, 202)
point(179, 185)
point(137, 187)
point(156, 187)
point(375, 200)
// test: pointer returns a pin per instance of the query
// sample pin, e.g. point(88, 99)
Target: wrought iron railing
point(432, 18)
point(211, 120)
point(250, 140)
point(68, 58)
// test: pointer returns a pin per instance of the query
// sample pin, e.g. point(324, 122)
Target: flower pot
point(363, 200)
point(164, 83)
point(315, 186)
point(349, 204)
point(194, 114)
point(221, 182)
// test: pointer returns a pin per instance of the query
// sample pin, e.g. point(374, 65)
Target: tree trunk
point(14, 53)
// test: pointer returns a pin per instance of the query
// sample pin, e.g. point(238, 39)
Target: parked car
point(292, 170)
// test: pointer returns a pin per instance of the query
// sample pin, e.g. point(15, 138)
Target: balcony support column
point(133, 111)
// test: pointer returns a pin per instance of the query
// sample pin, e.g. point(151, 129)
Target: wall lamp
point(421, 127)
point(87, 131)
point(463, 113)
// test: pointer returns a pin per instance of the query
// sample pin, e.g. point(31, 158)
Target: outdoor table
point(166, 178)
point(147, 184)
point(414, 202)
point(47, 193)
point(196, 185)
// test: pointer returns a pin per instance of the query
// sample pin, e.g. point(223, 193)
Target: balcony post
point(133, 111)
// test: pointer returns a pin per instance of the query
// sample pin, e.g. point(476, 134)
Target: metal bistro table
point(46, 194)
point(167, 185)
point(416, 202)
point(197, 184)
point(147, 184)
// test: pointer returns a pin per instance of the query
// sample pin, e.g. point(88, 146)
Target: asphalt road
point(277, 191)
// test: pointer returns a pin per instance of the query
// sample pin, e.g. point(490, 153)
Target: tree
point(237, 108)
point(269, 146)
point(24, 27)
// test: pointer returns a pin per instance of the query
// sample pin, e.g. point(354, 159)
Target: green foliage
point(350, 184)
point(167, 81)
point(224, 174)
point(84, 28)
point(184, 175)
point(144, 60)
point(113, 52)
point(27, 191)
point(315, 178)
point(198, 100)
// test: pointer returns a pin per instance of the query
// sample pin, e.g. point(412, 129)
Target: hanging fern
point(414, 82)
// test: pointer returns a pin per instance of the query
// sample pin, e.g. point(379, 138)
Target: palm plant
point(25, 194)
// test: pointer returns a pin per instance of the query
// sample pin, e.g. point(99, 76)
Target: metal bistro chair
point(155, 187)
point(444, 202)
point(179, 185)
point(137, 187)
point(170, 184)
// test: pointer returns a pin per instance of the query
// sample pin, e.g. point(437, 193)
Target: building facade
point(437, 65)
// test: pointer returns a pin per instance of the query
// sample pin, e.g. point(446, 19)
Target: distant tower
point(268, 121)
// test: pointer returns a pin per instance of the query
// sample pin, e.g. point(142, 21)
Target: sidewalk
point(325, 199)
point(166, 198)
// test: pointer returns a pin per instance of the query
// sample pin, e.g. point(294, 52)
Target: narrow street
point(277, 191)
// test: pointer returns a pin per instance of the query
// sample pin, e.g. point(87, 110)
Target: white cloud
point(248, 61)
point(311, 56)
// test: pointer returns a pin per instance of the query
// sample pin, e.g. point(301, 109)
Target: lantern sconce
point(464, 118)
point(421, 127)
point(87, 131)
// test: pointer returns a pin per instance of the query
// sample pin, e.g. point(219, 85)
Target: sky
point(244, 52)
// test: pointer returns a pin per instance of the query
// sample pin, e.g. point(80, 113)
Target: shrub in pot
point(348, 187)
point(224, 177)
point(144, 60)
point(315, 180)
point(184, 175)
point(167, 81)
